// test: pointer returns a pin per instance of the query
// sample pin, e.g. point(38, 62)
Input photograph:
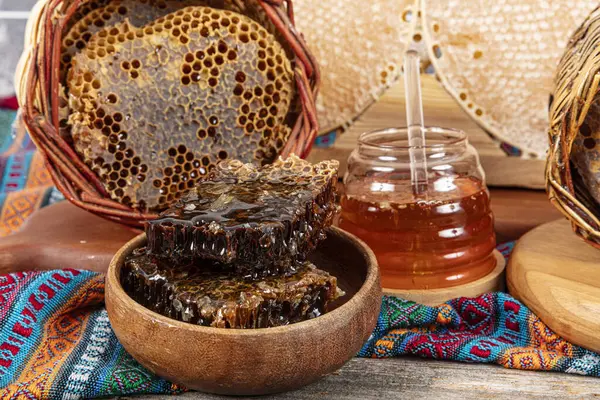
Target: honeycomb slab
point(257, 218)
point(202, 294)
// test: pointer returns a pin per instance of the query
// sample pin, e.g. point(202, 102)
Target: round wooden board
point(557, 275)
point(492, 282)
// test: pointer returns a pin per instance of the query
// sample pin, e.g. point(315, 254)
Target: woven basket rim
point(577, 83)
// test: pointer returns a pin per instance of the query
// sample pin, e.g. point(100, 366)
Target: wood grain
point(440, 110)
point(410, 378)
point(557, 275)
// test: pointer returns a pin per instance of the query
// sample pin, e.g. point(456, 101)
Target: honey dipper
point(63, 236)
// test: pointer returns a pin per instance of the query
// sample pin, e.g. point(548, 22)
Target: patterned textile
point(493, 328)
point(56, 341)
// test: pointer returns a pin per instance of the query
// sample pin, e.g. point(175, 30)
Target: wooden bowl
point(256, 361)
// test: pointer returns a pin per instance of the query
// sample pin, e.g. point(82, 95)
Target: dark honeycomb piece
point(251, 216)
point(153, 109)
point(203, 294)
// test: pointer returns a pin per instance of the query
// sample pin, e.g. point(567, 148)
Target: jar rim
point(444, 137)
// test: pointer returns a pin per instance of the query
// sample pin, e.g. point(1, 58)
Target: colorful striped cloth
point(56, 341)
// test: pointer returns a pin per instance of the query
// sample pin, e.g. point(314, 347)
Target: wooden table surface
point(517, 211)
point(409, 378)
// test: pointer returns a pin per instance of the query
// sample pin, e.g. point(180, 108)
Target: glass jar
point(438, 238)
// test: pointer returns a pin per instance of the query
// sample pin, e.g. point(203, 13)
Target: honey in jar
point(438, 238)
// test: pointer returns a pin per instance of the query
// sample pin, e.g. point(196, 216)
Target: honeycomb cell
point(102, 21)
point(213, 61)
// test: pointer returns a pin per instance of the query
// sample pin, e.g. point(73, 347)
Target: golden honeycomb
point(584, 152)
point(498, 59)
point(96, 15)
point(360, 47)
point(153, 109)
point(138, 13)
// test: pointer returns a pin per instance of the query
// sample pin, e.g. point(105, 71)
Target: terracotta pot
point(259, 361)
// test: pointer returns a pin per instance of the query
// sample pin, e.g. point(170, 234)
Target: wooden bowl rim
point(340, 313)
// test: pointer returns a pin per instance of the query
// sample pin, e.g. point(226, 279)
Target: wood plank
point(440, 109)
point(408, 378)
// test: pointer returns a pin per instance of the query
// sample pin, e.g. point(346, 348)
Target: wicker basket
point(37, 84)
point(576, 89)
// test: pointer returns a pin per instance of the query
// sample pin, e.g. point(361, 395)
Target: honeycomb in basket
point(95, 15)
point(260, 219)
point(137, 12)
point(153, 109)
point(585, 154)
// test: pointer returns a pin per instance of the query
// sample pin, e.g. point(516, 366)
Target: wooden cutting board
point(557, 275)
point(440, 110)
point(63, 236)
